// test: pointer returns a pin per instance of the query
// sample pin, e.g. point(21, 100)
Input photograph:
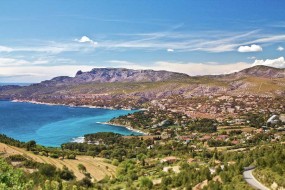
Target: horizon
point(40, 41)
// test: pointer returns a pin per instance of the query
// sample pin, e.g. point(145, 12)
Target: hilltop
point(260, 71)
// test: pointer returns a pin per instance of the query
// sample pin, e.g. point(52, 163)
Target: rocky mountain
point(108, 75)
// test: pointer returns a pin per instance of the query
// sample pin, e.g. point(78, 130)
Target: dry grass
point(95, 166)
point(235, 128)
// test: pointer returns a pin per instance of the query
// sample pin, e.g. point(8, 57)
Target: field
point(97, 167)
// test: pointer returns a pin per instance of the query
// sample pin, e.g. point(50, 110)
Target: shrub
point(66, 174)
point(54, 155)
point(17, 158)
point(47, 170)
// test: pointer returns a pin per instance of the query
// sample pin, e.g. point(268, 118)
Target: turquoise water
point(54, 125)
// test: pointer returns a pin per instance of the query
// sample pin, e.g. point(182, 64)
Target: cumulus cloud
point(280, 48)
point(279, 62)
point(251, 48)
point(85, 39)
point(170, 50)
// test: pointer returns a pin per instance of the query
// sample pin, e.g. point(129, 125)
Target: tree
point(30, 145)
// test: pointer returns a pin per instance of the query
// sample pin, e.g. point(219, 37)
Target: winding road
point(250, 179)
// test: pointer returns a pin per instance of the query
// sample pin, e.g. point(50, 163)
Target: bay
point(52, 125)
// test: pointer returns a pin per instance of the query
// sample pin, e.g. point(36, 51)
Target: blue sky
point(43, 39)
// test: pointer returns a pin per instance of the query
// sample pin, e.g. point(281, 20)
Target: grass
point(97, 167)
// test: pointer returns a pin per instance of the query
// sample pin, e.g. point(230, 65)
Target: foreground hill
point(109, 87)
point(97, 167)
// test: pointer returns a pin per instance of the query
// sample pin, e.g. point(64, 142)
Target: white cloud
point(280, 48)
point(49, 47)
point(207, 41)
point(12, 62)
point(279, 62)
point(35, 61)
point(5, 49)
point(39, 73)
point(270, 39)
point(85, 39)
point(252, 48)
point(252, 57)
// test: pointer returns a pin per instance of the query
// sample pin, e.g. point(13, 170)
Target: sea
point(53, 125)
point(20, 84)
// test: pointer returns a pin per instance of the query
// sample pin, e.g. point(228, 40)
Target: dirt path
point(95, 166)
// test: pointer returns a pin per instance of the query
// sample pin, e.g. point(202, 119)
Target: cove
point(52, 125)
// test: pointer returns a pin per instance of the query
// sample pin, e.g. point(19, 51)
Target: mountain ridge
point(109, 75)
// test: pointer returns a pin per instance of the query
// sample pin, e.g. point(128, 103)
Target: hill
point(126, 87)
point(260, 71)
point(97, 167)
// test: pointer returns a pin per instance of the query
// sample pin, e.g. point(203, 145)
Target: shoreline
point(71, 105)
point(81, 139)
point(125, 126)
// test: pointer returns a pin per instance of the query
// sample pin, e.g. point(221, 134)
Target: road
point(250, 179)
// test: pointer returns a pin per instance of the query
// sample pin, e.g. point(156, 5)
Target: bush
point(17, 158)
point(54, 155)
point(115, 162)
point(85, 182)
point(43, 153)
point(30, 164)
point(71, 156)
point(81, 168)
point(145, 183)
point(47, 170)
point(66, 174)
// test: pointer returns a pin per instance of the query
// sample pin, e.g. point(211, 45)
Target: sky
point(41, 39)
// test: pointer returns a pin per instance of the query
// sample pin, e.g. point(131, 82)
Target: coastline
point(126, 126)
point(71, 105)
